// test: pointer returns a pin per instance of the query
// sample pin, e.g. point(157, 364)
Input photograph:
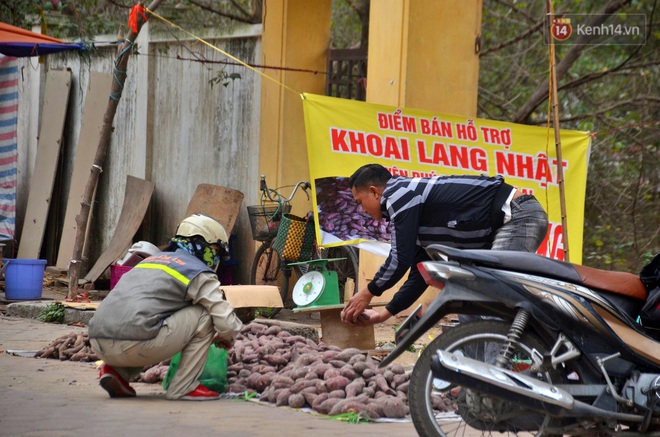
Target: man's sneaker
point(201, 393)
point(114, 384)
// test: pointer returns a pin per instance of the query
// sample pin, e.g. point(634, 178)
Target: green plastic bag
point(214, 375)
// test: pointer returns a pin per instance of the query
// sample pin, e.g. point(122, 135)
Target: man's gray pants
point(189, 331)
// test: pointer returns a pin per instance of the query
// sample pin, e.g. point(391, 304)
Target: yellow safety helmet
point(204, 226)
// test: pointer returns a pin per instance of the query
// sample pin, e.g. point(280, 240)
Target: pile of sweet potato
point(294, 371)
point(74, 347)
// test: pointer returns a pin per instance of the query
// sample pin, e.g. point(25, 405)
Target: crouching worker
point(169, 303)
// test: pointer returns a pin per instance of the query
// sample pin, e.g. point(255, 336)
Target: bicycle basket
point(295, 238)
point(265, 220)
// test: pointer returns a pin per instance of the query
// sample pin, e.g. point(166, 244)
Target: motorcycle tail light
point(436, 274)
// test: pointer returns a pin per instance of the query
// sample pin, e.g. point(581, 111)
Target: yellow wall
point(296, 35)
point(422, 55)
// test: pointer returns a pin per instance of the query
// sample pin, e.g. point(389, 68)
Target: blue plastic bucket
point(24, 278)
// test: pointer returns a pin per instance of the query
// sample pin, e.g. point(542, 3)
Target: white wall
point(171, 127)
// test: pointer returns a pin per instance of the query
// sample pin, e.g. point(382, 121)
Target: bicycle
point(268, 268)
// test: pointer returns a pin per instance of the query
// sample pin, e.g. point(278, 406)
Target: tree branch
point(595, 76)
point(514, 40)
point(637, 101)
point(541, 93)
point(250, 20)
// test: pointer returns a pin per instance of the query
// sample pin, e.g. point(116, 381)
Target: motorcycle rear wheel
point(428, 396)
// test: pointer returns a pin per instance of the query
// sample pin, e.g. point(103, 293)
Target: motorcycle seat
point(622, 283)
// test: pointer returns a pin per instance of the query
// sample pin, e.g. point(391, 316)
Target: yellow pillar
point(422, 54)
point(296, 35)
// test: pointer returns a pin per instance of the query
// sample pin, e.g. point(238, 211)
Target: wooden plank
point(337, 333)
point(58, 84)
point(96, 100)
point(136, 200)
point(221, 203)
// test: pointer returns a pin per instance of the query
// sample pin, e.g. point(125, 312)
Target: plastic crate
point(265, 220)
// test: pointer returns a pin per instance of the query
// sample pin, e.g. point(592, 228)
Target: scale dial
point(308, 288)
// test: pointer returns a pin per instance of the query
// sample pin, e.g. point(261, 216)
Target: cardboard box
point(253, 296)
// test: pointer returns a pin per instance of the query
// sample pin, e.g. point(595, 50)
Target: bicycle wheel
point(268, 269)
point(347, 268)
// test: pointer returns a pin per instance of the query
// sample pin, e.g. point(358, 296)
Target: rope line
point(116, 96)
point(176, 26)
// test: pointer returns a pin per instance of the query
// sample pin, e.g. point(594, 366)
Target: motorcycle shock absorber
point(515, 332)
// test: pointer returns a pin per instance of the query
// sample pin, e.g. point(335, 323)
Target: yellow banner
point(343, 135)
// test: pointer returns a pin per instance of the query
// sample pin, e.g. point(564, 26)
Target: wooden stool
point(337, 333)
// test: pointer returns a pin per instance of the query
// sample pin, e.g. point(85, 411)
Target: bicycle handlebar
point(263, 186)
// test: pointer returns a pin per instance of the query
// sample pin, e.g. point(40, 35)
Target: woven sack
point(295, 239)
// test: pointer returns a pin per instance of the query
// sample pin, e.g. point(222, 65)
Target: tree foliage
point(610, 90)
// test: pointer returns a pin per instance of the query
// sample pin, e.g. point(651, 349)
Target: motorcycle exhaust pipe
point(528, 392)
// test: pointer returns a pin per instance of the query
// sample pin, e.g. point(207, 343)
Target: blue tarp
point(18, 42)
point(20, 50)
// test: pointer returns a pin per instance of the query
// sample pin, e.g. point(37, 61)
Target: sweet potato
point(397, 368)
point(359, 367)
point(318, 400)
point(403, 387)
point(330, 373)
point(305, 360)
point(293, 339)
point(382, 385)
point(284, 334)
point(320, 368)
point(337, 394)
point(251, 381)
point(282, 382)
point(311, 376)
point(337, 364)
point(376, 407)
point(309, 397)
point(369, 391)
point(299, 373)
point(368, 373)
point(393, 407)
point(272, 394)
point(272, 330)
point(276, 360)
point(346, 354)
point(325, 406)
point(296, 400)
point(150, 376)
point(336, 383)
point(348, 372)
point(355, 388)
point(347, 406)
point(283, 397)
point(257, 328)
point(329, 355)
point(301, 384)
point(321, 386)
point(389, 375)
point(398, 379)
point(357, 358)
point(264, 381)
point(372, 412)
point(236, 388)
